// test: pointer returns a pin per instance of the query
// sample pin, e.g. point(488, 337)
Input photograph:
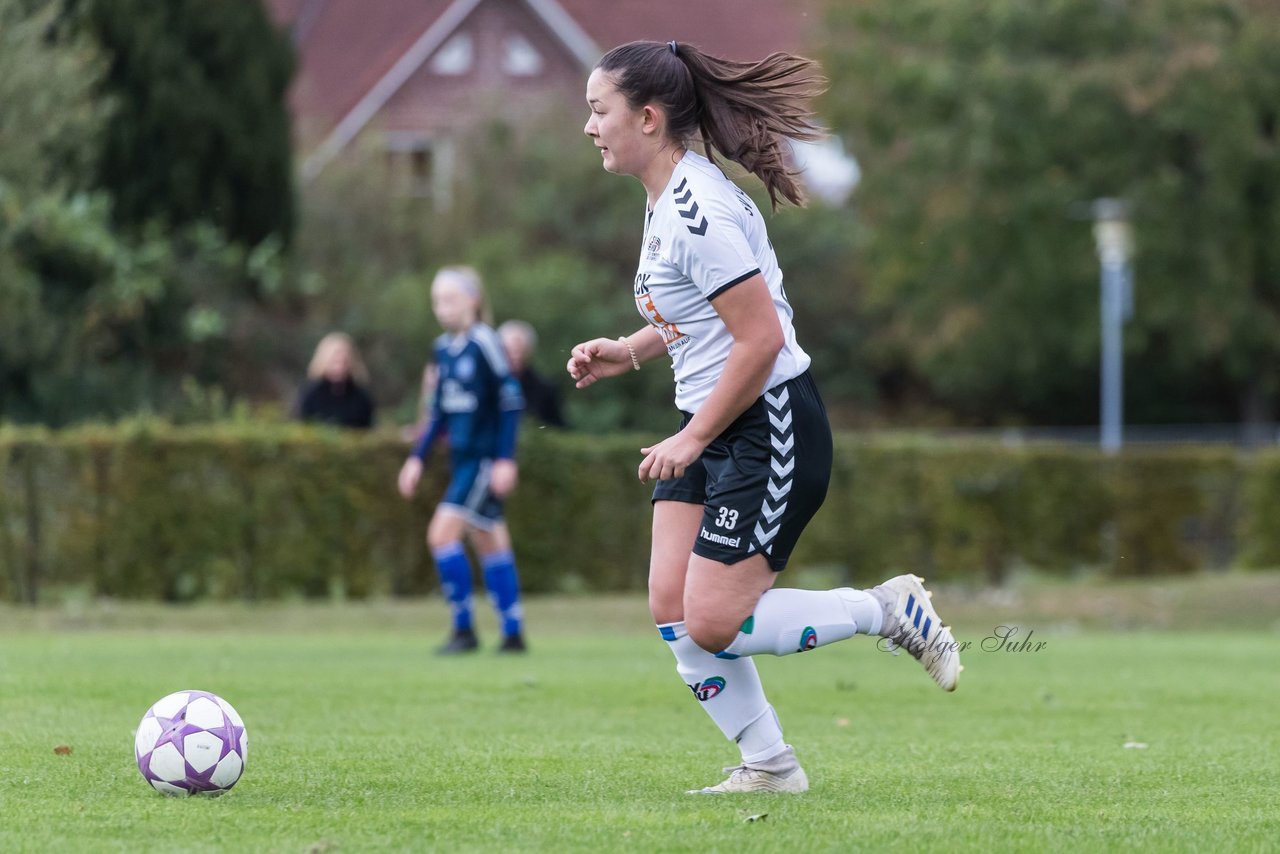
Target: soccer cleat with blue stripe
point(911, 623)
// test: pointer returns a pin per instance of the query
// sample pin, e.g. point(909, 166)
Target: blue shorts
point(762, 479)
point(468, 493)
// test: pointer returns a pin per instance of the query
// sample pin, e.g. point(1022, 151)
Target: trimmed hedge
point(263, 511)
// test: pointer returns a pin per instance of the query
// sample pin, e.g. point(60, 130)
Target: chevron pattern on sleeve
point(688, 208)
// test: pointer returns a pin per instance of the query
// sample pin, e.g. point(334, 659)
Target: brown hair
point(741, 110)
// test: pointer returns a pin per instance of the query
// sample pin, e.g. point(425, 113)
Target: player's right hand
point(410, 474)
point(597, 359)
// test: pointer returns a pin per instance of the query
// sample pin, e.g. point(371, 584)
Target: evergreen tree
point(202, 132)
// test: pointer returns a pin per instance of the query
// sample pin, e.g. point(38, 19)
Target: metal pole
point(1112, 395)
point(1112, 234)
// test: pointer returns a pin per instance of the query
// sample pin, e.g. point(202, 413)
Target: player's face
point(613, 126)
point(454, 308)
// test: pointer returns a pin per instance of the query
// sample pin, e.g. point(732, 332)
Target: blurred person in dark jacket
point(336, 391)
point(541, 396)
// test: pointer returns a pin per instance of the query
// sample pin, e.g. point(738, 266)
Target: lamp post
point(1114, 238)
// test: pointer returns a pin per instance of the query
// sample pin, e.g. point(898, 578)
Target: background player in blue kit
point(751, 461)
point(477, 405)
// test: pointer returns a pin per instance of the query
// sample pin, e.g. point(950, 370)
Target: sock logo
point(808, 639)
point(707, 688)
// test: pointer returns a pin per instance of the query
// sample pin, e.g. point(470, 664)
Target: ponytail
point(743, 111)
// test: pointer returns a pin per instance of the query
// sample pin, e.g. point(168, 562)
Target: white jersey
point(703, 236)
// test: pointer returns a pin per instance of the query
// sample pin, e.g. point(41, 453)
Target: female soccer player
point(477, 405)
point(751, 461)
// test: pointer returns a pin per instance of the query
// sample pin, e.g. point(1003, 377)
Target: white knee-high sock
point(730, 692)
point(787, 621)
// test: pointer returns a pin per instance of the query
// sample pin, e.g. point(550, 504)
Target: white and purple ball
point(191, 743)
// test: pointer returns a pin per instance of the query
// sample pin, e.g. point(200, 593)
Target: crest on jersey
point(652, 248)
point(464, 368)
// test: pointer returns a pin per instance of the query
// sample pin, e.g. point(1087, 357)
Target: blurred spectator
point(336, 388)
point(541, 397)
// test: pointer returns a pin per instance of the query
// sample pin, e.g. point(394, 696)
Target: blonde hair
point(468, 279)
point(324, 352)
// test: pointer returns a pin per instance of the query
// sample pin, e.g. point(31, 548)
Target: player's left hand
point(669, 458)
point(502, 477)
point(410, 474)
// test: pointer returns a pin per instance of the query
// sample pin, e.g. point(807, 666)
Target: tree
point(982, 127)
point(47, 117)
point(47, 110)
point(95, 323)
point(202, 132)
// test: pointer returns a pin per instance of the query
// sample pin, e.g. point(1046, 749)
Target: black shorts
point(762, 479)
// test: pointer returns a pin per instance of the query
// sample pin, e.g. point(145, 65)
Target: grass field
point(362, 741)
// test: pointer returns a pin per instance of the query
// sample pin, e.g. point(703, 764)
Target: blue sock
point(455, 582)
point(504, 589)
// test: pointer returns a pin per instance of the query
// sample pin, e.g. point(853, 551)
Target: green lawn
point(362, 741)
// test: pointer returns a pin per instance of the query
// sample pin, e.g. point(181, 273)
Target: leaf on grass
point(63, 750)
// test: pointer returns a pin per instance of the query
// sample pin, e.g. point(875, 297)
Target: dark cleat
point(461, 642)
point(513, 643)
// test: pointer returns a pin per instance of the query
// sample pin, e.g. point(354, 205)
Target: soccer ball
point(191, 743)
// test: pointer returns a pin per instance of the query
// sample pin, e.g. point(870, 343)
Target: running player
point(751, 461)
point(477, 404)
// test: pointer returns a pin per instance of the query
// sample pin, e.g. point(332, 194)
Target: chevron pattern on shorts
point(782, 461)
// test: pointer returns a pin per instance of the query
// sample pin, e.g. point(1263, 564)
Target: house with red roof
point(405, 76)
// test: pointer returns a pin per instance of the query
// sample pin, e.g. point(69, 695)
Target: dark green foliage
point(252, 511)
point(201, 133)
point(984, 129)
point(817, 252)
point(98, 321)
point(96, 325)
point(1260, 533)
point(49, 116)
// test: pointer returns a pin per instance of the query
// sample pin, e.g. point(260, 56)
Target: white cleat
point(910, 622)
point(744, 780)
point(782, 773)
